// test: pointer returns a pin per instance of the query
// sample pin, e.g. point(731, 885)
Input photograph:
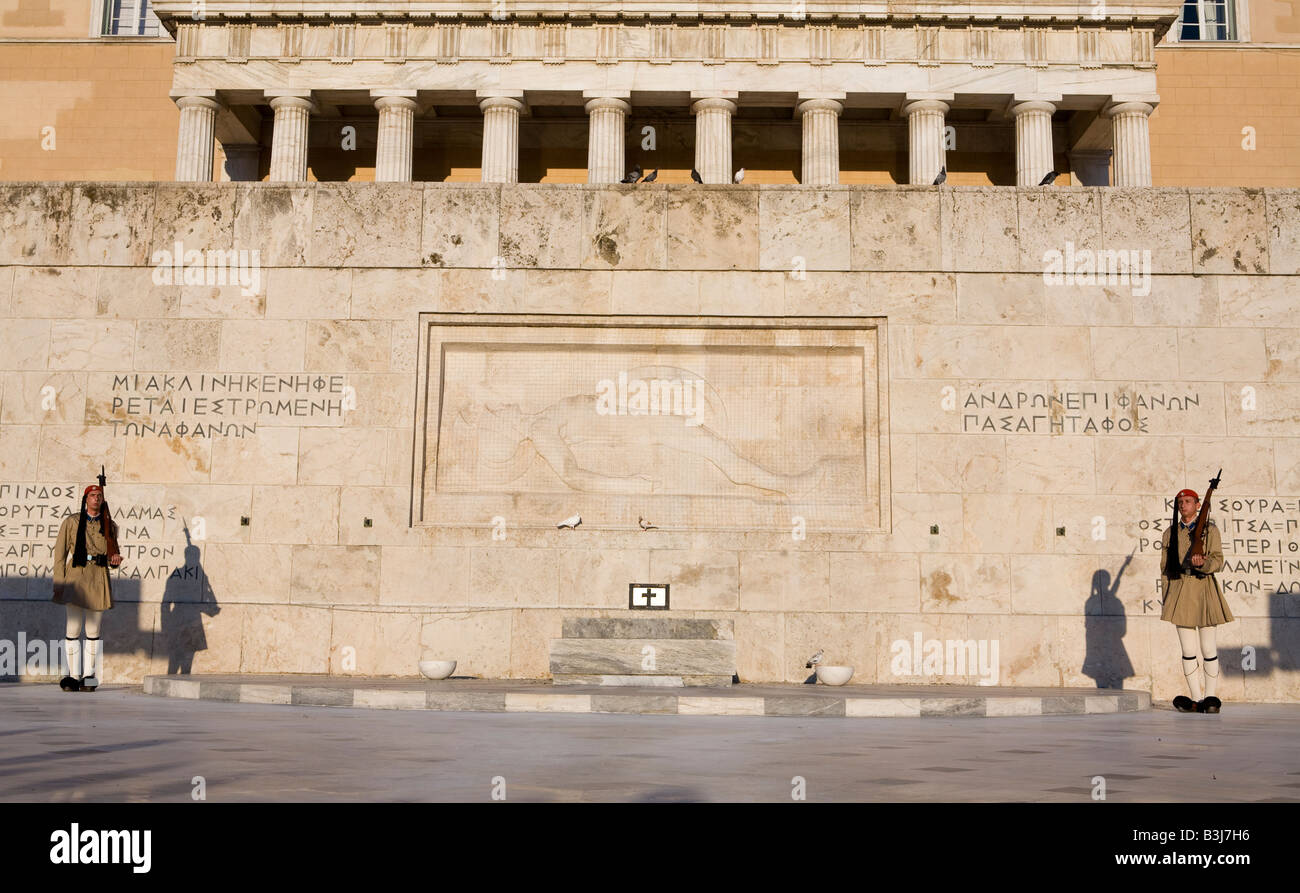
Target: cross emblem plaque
point(647, 596)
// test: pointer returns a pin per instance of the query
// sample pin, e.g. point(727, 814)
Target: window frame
point(1237, 24)
point(101, 10)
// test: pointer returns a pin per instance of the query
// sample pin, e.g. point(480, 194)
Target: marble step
point(628, 657)
point(646, 628)
point(655, 681)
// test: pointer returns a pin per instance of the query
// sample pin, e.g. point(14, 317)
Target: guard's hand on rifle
point(1198, 560)
point(116, 560)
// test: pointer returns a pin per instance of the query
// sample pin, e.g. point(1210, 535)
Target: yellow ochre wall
point(107, 103)
point(1206, 97)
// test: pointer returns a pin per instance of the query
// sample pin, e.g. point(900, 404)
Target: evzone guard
point(1193, 600)
point(82, 585)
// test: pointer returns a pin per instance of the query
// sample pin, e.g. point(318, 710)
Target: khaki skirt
point(1195, 602)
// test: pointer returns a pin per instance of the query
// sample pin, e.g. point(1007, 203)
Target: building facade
point(90, 85)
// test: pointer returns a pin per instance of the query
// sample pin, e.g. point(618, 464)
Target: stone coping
point(539, 696)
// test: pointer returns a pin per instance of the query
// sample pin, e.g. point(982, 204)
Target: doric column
point(1034, 155)
point(195, 145)
point(821, 140)
point(1132, 135)
point(501, 136)
point(289, 136)
point(925, 117)
point(713, 135)
point(396, 135)
point(606, 158)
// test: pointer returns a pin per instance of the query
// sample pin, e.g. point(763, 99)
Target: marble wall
point(256, 412)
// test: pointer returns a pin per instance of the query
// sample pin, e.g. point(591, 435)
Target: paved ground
point(120, 745)
point(540, 696)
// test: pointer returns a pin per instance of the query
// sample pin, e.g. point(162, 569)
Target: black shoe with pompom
point(1209, 705)
point(1184, 704)
point(69, 683)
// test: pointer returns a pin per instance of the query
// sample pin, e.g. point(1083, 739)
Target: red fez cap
point(93, 488)
point(1191, 493)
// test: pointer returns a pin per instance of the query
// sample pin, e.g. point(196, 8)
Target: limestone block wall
point(1032, 429)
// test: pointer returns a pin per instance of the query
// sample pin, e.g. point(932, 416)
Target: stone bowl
point(834, 675)
point(437, 669)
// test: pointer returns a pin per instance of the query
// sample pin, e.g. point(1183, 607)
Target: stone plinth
point(658, 651)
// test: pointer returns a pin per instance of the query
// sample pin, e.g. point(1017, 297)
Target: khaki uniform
point(88, 586)
point(1191, 600)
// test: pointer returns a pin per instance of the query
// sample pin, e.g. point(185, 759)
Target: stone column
point(289, 137)
point(501, 137)
point(396, 135)
point(606, 157)
point(1130, 121)
point(195, 145)
point(925, 117)
point(1034, 155)
point(821, 141)
point(713, 137)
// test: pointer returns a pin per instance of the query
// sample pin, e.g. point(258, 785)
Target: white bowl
point(437, 669)
point(834, 675)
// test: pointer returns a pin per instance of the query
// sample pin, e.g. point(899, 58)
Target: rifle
point(1202, 524)
point(110, 539)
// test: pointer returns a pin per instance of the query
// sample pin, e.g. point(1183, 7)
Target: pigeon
point(943, 176)
point(815, 659)
point(654, 175)
point(645, 525)
point(740, 176)
point(570, 523)
point(633, 176)
point(1047, 180)
point(630, 178)
point(695, 175)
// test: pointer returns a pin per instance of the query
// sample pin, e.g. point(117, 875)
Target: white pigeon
point(740, 175)
point(815, 659)
point(570, 523)
point(644, 524)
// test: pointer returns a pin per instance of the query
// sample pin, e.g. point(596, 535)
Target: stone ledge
point(522, 696)
point(1234, 231)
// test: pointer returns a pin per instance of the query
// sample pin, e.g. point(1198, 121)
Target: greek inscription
point(1261, 543)
point(1070, 412)
point(206, 406)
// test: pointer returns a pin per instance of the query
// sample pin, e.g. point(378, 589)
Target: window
point(1206, 20)
point(129, 18)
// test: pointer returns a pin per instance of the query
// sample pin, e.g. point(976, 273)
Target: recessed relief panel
point(665, 426)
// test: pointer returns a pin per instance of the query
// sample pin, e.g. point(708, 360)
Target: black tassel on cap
point(1173, 564)
point(79, 550)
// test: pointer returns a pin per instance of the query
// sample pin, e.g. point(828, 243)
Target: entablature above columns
point(1035, 34)
point(653, 85)
point(1148, 11)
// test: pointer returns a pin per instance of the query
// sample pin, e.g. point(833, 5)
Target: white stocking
point(72, 649)
point(92, 661)
point(1210, 653)
point(1187, 639)
point(72, 640)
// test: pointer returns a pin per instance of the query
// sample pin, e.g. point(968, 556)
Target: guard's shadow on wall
point(1105, 659)
point(180, 622)
point(127, 630)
